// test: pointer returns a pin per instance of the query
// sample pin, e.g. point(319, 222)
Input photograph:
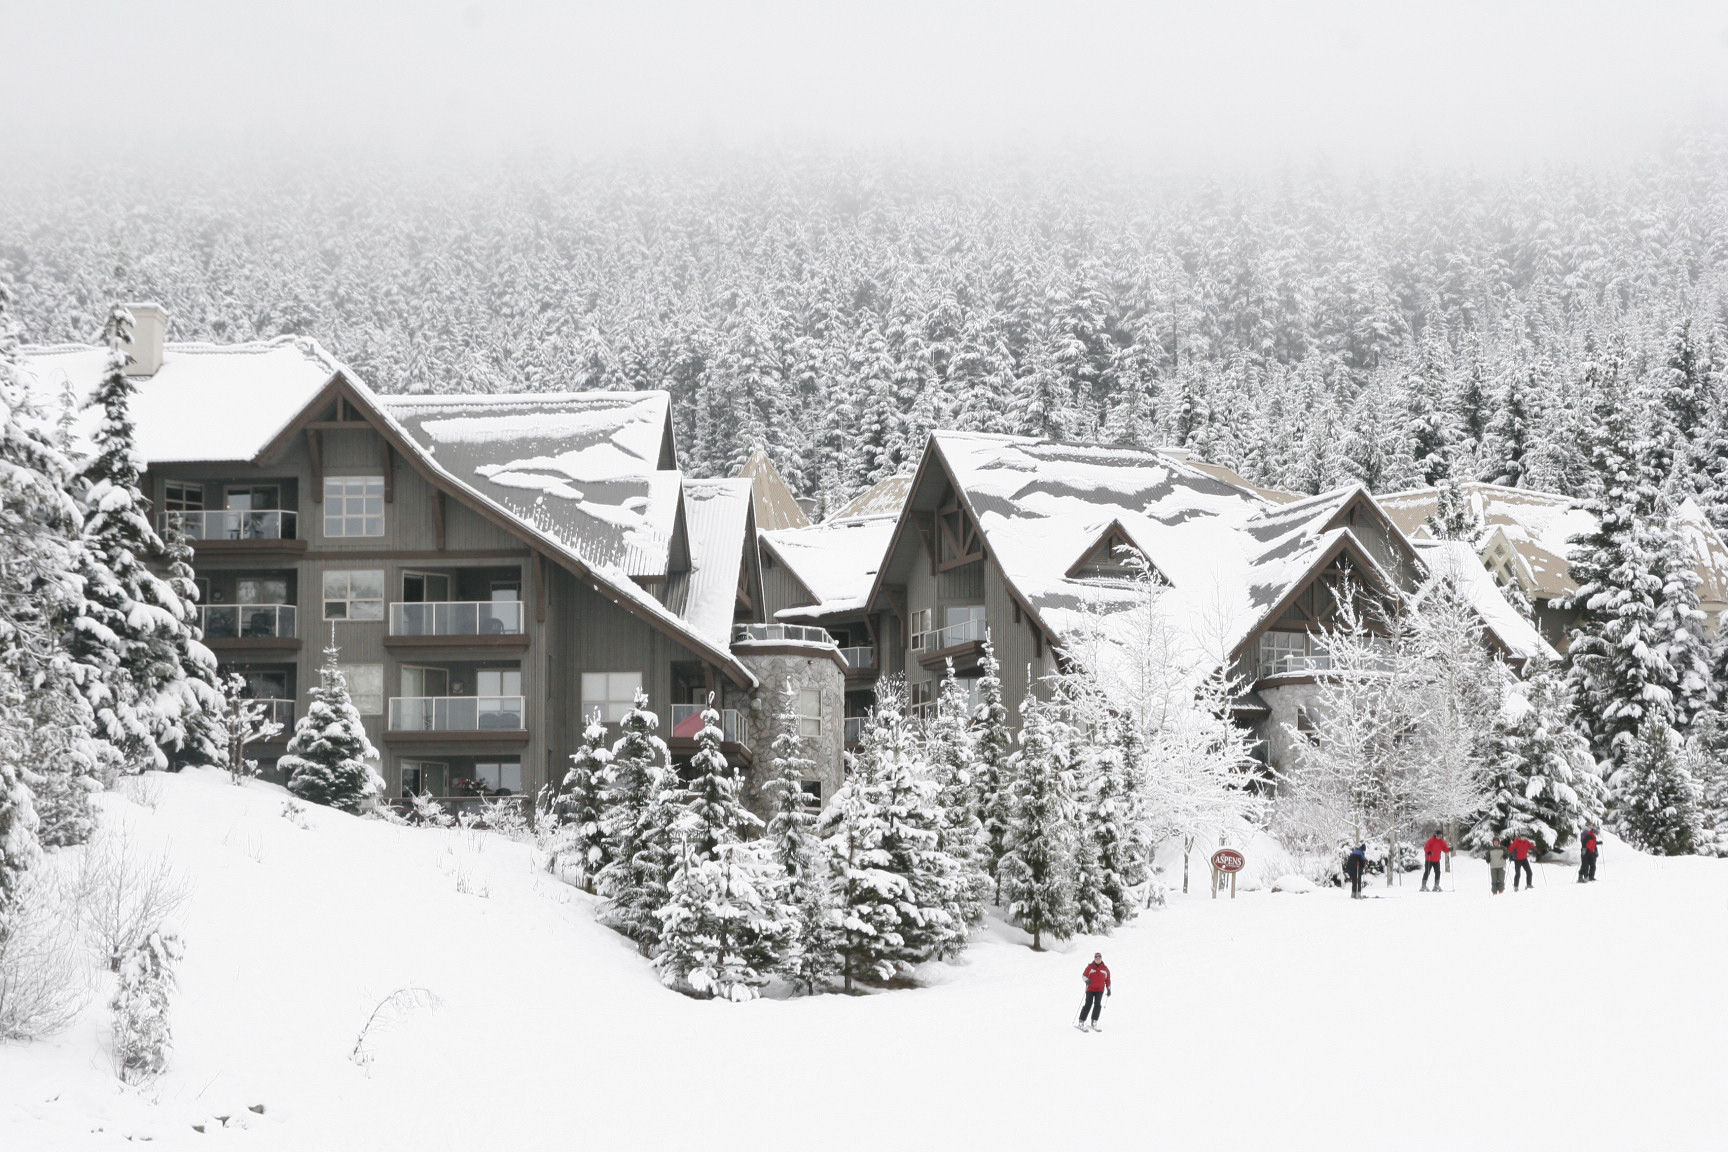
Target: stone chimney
point(149, 329)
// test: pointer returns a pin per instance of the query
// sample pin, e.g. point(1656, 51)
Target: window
point(809, 712)
point(613, 693)
point(354, 506)
point(366, 686)
point(921, 699)
point(425, 587)
point(354, 594)
point(812, 793)
point(500, 775)
point(260, 590)
point(267, 685)
point(923, 622)
point(253, 498)
point(424, 777)
point(1307, 725)
point(182, 496)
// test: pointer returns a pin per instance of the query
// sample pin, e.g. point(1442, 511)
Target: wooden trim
point(355, 425)
point(967, 650)
point(513, 737)
point(252, 644)
point(413, 554)
point(216, 549)
point(1345, 543)
point(316, 451)
point(439, 514)
point(517, 641)
point(389, 463)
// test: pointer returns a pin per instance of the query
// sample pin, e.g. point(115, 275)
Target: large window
point(424, 777)
point(921, 700)
point(365, 686)
point(809, 712)
point(354, 594)
point(613, 693)
point(499, 775)
point(353, 506)
point(922, 626)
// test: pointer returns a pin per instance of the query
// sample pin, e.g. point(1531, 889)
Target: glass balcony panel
point(248, 621)
point(233, 524)
point(795, 633)
point(687, 723)
point(456, 713)
point(457, 618)
point(860, 657)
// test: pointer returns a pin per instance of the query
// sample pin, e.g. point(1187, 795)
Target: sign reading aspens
point(1228, 860)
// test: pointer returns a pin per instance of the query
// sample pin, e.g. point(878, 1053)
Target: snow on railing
point(247, 621)
point(961, 633)
point(455, 713)
point(457, 618)
point(687, 722)
point(233, 524)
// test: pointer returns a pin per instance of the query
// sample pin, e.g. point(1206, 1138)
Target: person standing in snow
point(1497, 867)
point(1591, 843)
point(1520, 849)
point(1355, 865)
point(1097, 980)
point(1431, 852)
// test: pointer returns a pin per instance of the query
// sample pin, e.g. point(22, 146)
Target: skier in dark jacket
point(1355, 865)
point(1431, 853)
point(1589, 845)
point(1097, 978)
point(1520, 850)
point(1496, 856)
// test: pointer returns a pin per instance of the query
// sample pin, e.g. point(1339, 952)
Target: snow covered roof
point(582, 464)
point(837, 562)
point(1457, 560)
point(206, 401)
point(776, 507)
point(718, 519)
point(885, 498)
point(1538, 529)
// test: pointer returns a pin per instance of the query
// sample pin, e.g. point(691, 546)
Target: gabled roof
point(836, 562)
point(884, 499)
point(1456, 560)
point(720, 521)
point(585, 464)
point(206, 401)
point(776, 506)
point(1539, 528)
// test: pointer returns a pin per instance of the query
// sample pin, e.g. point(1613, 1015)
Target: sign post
point(1230, 862)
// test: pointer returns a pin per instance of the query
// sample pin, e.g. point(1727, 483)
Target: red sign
point(1228, 860)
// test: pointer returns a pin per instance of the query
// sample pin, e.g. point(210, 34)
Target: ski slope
point(1572, 1014)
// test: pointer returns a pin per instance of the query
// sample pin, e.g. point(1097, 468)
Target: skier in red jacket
point(1097, 978)
point(1587, 858)
point(1431, 852)
point(1519, 850)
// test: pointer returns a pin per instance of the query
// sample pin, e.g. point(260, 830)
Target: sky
point(1192, 84)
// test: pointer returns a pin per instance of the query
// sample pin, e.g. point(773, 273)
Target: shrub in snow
point(330, 761)
point(505, 816)
point(1039, 868)
point(42, 982)
point(123, 892)
point(386, 1014)
point(1655, 798)
point(295, 813)
point(423, 809)
point(142, 1038)
point(642, 805)
point(245, 721)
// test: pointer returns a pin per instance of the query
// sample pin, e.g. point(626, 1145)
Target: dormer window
point(1114, 559)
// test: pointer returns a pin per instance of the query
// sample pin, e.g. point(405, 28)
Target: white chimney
point(149, 328)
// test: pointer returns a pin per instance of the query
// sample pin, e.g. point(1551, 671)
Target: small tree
point(993, 750)
point(1707, 764)
point(142, 1038)
point(579, 809)
point(330, 761)
point(245, 721)
point(1655, 800)
point(951, 751)
point(642, 806)
point(1038, 862)
point(805, 895)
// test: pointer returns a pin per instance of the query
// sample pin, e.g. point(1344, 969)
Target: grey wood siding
point(780, 589)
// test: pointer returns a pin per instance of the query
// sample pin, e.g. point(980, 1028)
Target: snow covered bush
point(122, 892)
point(43, 985)
point(804, 887)
point(330, 761)
point(142, 1037)
point(1707, 764)
point(1040, 869)
point(1655, 798)
point(576, 837)
point(245, 721)
point(642, 804)
point(423, 809)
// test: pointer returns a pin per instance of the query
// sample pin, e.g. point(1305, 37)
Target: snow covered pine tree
point(329, 759)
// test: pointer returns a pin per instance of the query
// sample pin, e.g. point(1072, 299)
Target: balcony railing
point(687, 722)
point(279, 711)
point(783, 633)
point(853, 729)
point(1294, 653)
point(457, 618)
point(247, 621)
point(961, 633)
point(456, 713)
point(860, 658)
point(233, 524)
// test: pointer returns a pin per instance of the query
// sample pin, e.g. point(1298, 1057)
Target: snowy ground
point(1574, 1014)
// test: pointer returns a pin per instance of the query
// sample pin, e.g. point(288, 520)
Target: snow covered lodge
point(491, 567)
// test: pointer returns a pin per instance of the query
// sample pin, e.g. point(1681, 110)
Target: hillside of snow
point(1570, 1015)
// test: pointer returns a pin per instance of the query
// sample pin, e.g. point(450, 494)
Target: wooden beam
point(316, 451)
point(539, 588)
point(438, 519)
point(389, 471)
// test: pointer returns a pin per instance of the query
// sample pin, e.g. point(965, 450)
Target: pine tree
point(867, 896)
point(1707, 764)
point(993, 753)
point(643, 804)
point(142, 1037)
point(951, 751)
point(806, 898)
point(1038, 863)
point(1655, 799)
point(1109, 820)
point(1529, 783)
point(580, 807)
point(1679, 628)
point(197, 736)
point(329, 759)
point(245, 721)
